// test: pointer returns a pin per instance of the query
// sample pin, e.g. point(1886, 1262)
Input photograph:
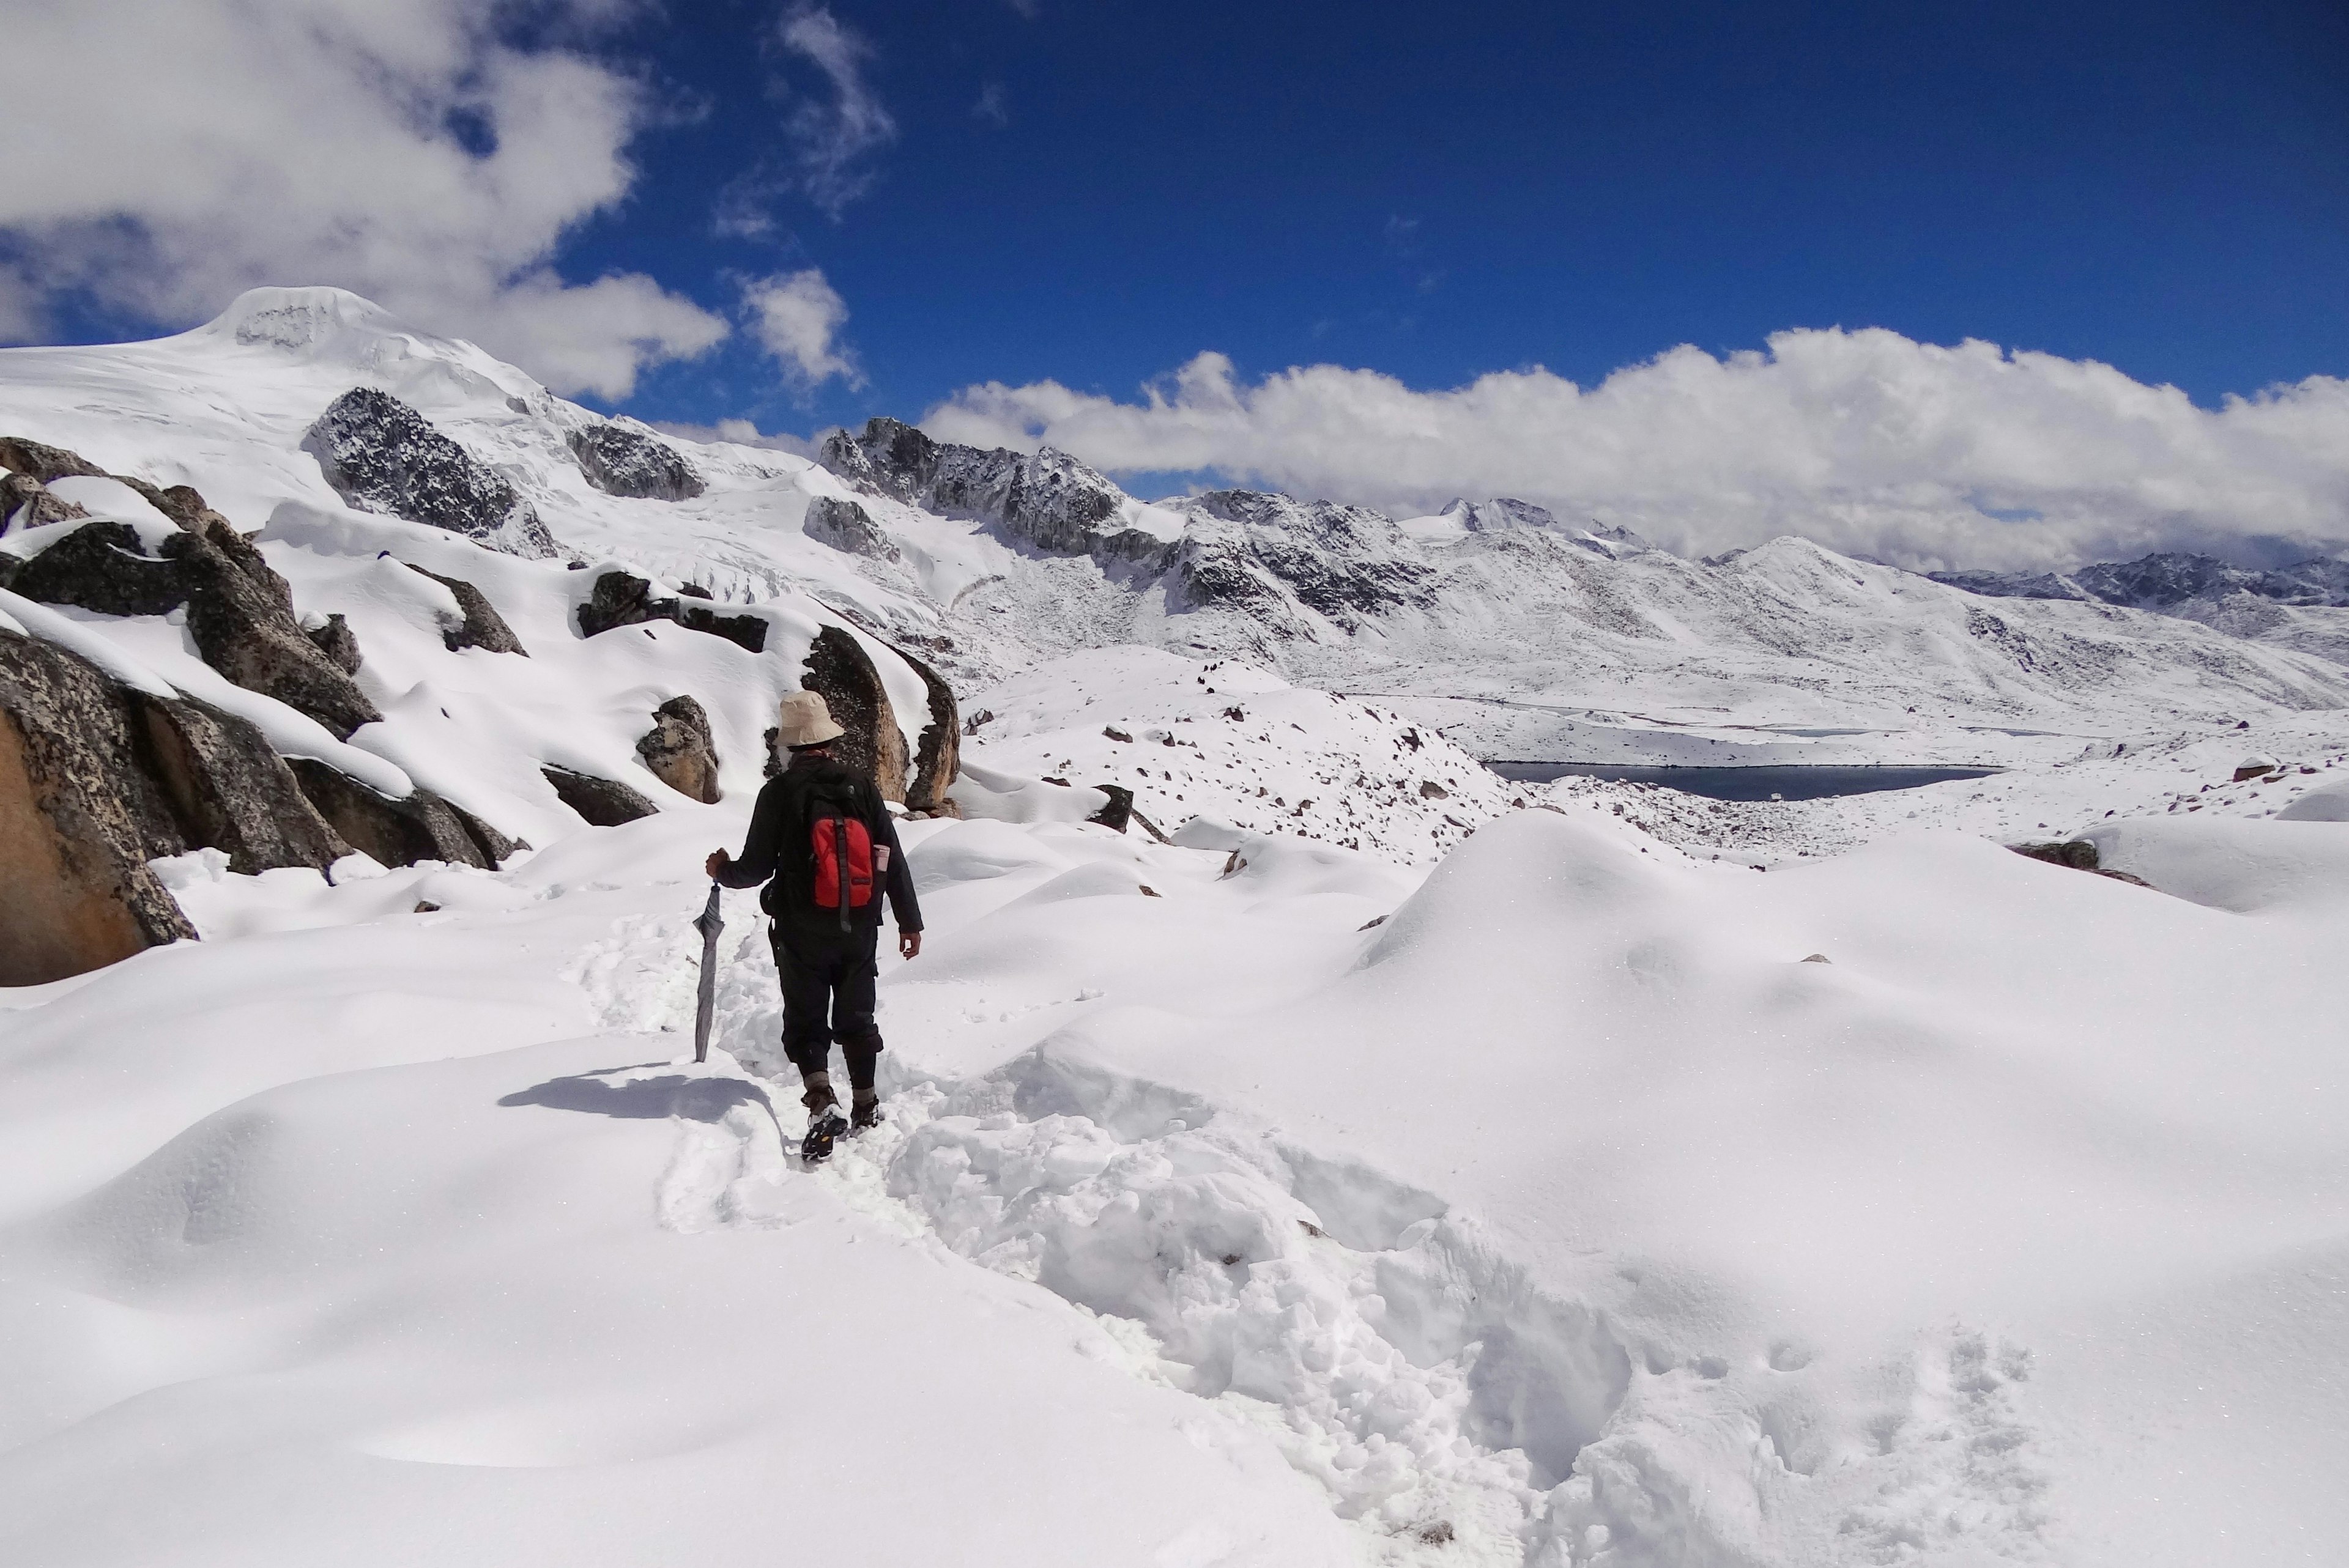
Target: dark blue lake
point(1758, 783)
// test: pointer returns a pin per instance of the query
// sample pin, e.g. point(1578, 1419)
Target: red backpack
point(843, 847)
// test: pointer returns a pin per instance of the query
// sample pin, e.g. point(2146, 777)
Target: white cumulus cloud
point(1865, 440)
point(166, 154)
point(797, 317)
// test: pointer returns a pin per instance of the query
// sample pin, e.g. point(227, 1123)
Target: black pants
point(827, 996)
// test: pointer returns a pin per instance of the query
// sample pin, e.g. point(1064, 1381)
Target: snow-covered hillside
point(1360, 1159)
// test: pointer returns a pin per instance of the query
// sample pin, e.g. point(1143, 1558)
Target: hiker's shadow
point(644, 1098)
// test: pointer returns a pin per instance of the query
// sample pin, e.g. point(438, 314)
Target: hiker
point(822, 833)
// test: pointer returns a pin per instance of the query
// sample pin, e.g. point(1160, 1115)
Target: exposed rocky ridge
point(2165, 580)
point(1339, 562)
point(621, 459)
point(26, 502)
point(1049, 499)
point(383, 456)
point(680, 751)
point(624, 599)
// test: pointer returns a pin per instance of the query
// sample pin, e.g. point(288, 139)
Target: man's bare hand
point(910, 942)
point(718, 861)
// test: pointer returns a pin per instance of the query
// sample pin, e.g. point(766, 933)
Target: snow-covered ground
point(1401, 1165)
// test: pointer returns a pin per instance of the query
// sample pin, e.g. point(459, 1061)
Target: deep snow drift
point(1401, 1165)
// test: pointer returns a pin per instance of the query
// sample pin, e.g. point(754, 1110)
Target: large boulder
point(43, 463)
point(840, 671)
point(681, 750)
point(401, 830)
point(620, 459)
point(624, 599)
point(603, 802)
point(938, 754)
point(383, 456)
point(240, 613)
point(78, 821)
point(228, 790)
point(482, 626)
point(26, 502)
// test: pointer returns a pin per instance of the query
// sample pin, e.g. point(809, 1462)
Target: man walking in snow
point(821, 834)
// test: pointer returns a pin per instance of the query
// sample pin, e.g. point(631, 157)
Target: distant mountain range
point(1519, 632)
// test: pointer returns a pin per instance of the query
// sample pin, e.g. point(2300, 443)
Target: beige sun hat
point(806, 721)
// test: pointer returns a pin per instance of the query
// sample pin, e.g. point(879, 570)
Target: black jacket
point(779, 847)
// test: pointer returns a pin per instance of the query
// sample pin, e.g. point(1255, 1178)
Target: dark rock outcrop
point(623, 599)
point(482, 626)
point(1119, 813)
point(1049, 499)
point(400, 831)
point(335, 638)
point(620, 460)
point(240, 613)
point(383, 456)
point(937, 755)
point(604, 803)
point(840, 671)
point(680, 751)
point(78, 821)
point(2078, 854)
point(844, 525)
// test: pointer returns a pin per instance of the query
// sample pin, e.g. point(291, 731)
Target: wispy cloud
point(1920, 455)
point(991, 105)
point(797, 317)
point(834, 134)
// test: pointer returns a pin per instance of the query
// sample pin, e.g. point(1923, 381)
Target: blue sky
point(1436, 193)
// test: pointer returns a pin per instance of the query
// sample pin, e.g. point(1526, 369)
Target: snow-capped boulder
point(481, 626)
point(602, 803)
point(240, 614)
point(626, 461)
point(383, 456)
point(400, 830)
point(333, 636)
point(624, 599)
point(844, 525)
point(680, 750)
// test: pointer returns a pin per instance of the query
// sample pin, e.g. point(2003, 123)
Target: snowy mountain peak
point(333, 329)
point(304, 319)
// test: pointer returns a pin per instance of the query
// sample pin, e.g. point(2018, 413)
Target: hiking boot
point(867, 1116)
point(816, 1146)
point(817, 1096)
